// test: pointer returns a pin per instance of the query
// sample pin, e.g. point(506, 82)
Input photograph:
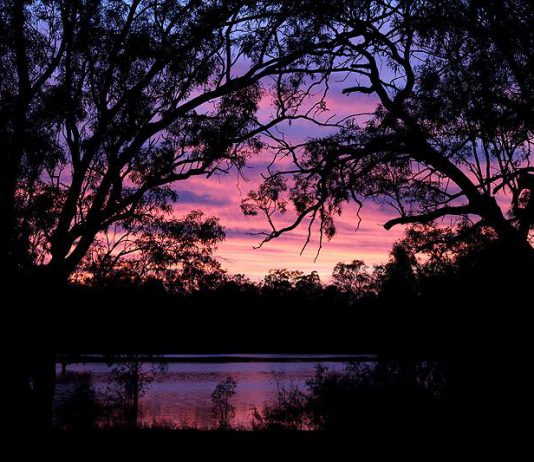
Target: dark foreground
point(431, 442)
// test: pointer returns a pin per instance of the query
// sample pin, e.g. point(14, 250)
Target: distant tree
point(131, 376)
point(239, 282)
point(352, 278)
point(282, 280)
point(309, 284)
point(80, 408)
point(177, 252)
point(398, 278)
point(223, 411)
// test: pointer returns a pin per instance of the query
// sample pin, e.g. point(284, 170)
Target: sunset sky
point(221, 196)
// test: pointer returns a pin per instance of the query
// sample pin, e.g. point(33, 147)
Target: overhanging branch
point(430, 216)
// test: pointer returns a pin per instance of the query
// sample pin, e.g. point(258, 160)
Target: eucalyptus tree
point(452, 132)
point(176, 253)
point(352, 278)
point(105, 105)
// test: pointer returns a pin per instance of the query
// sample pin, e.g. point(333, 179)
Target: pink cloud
point(221, 196)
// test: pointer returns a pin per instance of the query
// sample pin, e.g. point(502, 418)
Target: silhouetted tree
point(450, 134)
point(131, 376)
point(288, 412)
point(352, 278)
point(177, 252)
point(361, 396)
point(285, 281)
point(309, 284)
point(398, 279)
point(79, 409)
point(223, 411)
point(239, 282)
point(282, 280)
point(374, 395)
point(105, 104)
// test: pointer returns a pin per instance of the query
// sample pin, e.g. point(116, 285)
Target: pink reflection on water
point(181, 396)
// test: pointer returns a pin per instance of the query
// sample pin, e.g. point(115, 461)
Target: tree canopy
point(107, 104)
point(451, 135)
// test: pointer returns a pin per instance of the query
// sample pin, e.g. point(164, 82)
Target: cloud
point(192, 198)
point(221, 196)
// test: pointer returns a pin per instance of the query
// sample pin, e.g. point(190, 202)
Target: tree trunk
point(513, 240)
point(29, 385)
point(7, 228)
point(27, 390)
point(43, 381)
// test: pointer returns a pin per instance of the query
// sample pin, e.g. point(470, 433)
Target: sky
point(221, 196)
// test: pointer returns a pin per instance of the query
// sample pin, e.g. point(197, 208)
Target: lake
point(181, 395)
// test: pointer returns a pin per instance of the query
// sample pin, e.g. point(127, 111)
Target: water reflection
point(181, 395)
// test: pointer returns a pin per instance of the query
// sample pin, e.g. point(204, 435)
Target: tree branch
point(430, 216)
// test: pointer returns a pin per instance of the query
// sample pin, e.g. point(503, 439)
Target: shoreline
point(223, 358)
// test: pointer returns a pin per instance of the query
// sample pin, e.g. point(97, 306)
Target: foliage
point(284, 280)
point(352, 278)
point(451, 136)
point(129, 380)
point(175, 252)
point(362, 395)
point(223, 411)
point(79, 409)
point(287, 413)
point(106, 105)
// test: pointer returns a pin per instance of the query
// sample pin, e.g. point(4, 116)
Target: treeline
point(427, 290)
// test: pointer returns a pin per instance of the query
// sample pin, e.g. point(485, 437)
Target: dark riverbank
point(79, 320)
point(157, 444)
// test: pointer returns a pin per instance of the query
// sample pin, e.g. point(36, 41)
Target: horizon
point(221, 195)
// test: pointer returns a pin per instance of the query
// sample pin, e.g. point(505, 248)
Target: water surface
point(181, 396)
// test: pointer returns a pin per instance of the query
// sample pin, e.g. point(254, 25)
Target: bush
point(361, 395)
